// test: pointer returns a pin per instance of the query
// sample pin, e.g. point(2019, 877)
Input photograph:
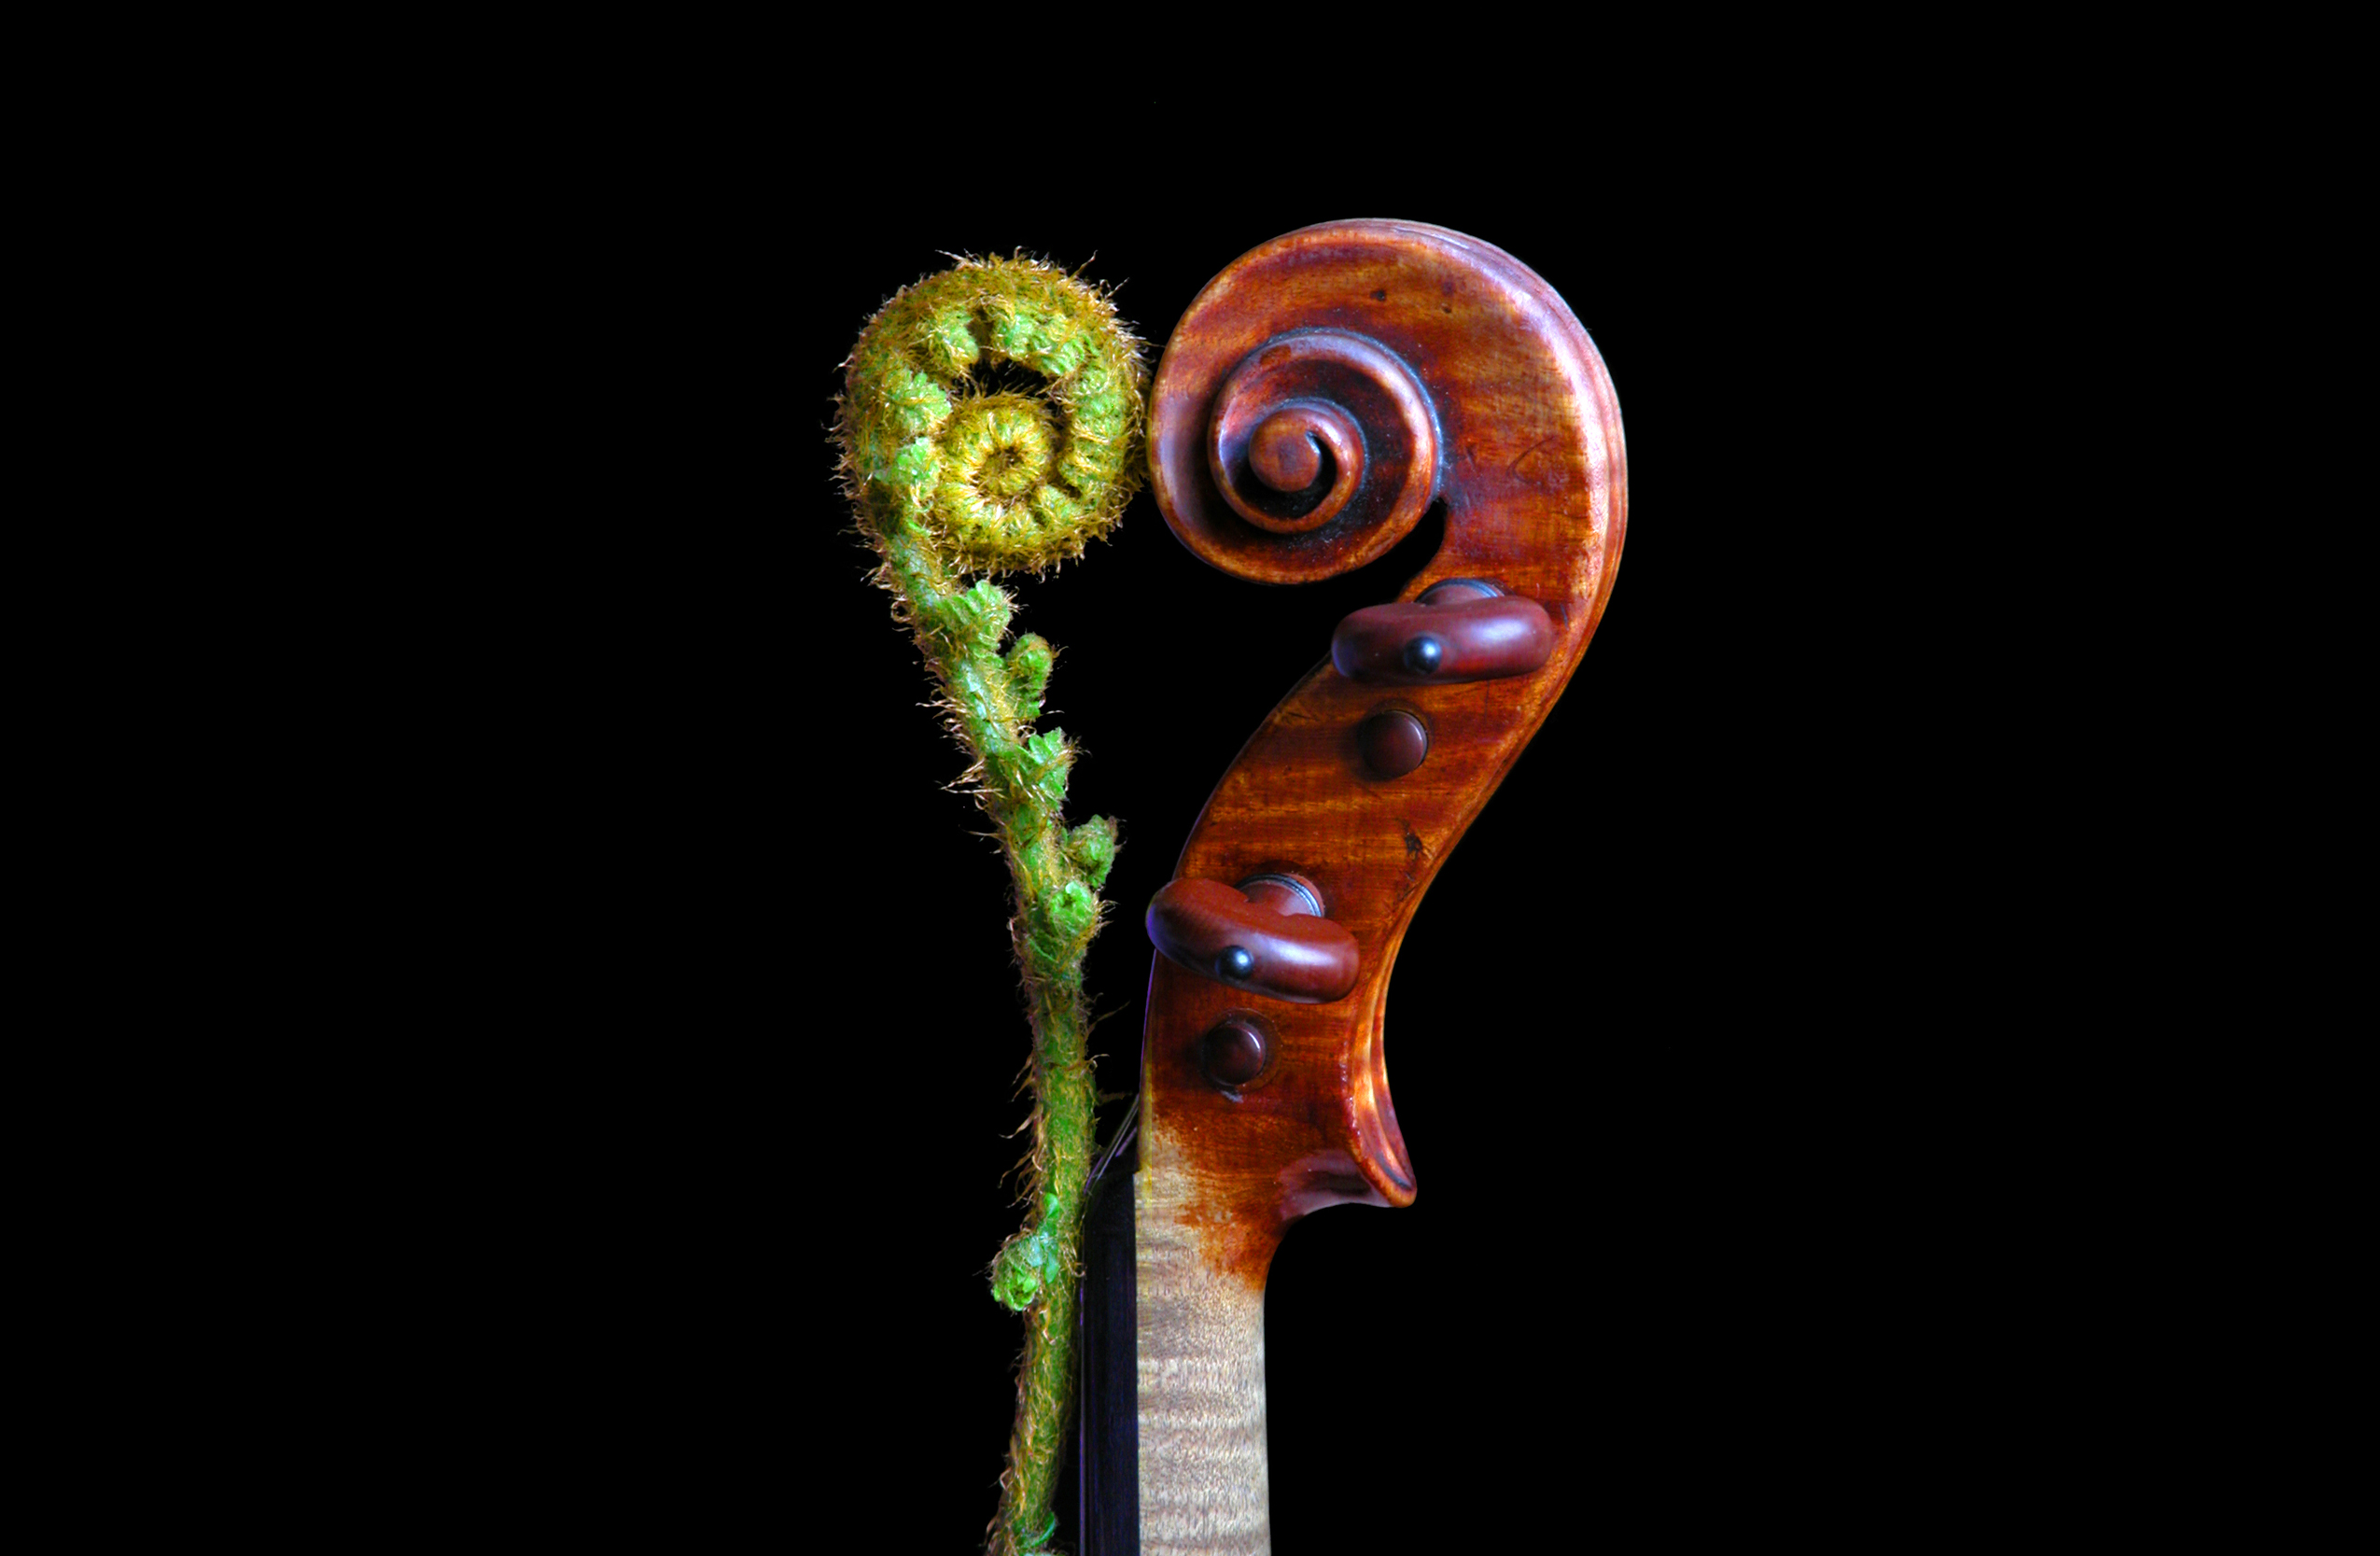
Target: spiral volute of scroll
point(1323, 429)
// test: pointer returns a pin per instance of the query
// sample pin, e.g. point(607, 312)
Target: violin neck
point(1172, 1436)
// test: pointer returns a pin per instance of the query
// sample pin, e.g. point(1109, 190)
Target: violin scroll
point(1314, 452)
point(1315, 401)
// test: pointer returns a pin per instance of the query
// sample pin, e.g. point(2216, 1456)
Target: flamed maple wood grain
point(1201, 1379)
point(1522, 444)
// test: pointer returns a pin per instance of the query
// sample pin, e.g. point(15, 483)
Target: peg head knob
point(1393, 742)
point(1233, 1051)
point(1266, 935)
point(1444, 637)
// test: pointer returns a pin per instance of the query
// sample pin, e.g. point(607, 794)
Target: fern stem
point(949, 481)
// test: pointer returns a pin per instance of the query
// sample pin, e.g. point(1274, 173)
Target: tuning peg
point(1266, 935)
point(1462, 629)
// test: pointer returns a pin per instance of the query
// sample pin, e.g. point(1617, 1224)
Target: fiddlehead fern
point(952, 476)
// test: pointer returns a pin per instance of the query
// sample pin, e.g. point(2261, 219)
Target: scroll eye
point(1313, 454)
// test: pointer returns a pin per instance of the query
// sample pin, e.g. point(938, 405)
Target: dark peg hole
point(1424, 655)
point(1232, 1053)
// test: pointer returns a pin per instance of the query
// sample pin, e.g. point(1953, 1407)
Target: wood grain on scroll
point(1318, 397)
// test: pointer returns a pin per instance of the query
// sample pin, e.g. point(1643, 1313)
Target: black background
point(1640, 1034)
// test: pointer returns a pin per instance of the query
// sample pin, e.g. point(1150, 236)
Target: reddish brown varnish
point(1453, 374)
